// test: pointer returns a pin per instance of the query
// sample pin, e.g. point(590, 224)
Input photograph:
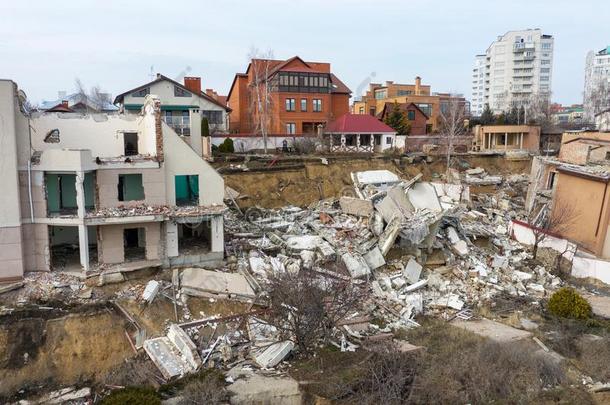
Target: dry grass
point(456, 367)
point(594, 358)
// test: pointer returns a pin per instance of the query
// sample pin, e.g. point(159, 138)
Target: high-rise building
point(477, 97)
point(517, 66)
point(597, 71)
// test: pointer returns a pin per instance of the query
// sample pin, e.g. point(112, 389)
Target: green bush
point(567, 303)
point(132, 396)
point(226, 146)
point(205, 127)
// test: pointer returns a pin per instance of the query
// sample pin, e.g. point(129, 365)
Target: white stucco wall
point(100, 133)
point(180, 159)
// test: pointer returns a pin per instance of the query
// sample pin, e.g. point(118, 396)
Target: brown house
point(577, 181)
point(286, 96)
point(416, 117)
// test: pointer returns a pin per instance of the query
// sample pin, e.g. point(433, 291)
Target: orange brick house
point(302, 97)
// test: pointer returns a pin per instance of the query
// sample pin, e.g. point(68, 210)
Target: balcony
point(180, 124)
point(522, 46)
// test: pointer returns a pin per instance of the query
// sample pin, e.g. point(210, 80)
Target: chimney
point(193, 84)
point(211, 93)
point(64, 103)
point(417, 85)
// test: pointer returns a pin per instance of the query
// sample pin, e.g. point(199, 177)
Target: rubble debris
point(216, 284)
point(10, 287)
point(412, 271)
point(270, 356)
point(151, 291)
point(185, 345)
point(496, 331)
point(356, 265)
point(356, 206)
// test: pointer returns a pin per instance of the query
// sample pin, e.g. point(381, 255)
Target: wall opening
point(64, 247)
point(194, 238)
point(187, 190)
point(134, 244)
point(130, 143)
point(130, 187)
point(60, 191)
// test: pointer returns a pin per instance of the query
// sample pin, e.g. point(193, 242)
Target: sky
point(45, 46)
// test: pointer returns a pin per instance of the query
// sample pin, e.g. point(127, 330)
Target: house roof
point(404, 107)
point(160, 78)
point(74, 99)
point(358, 123)
point(337, 86)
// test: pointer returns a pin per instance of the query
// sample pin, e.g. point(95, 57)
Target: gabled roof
point(404, 107)
point(337, 86)
point(160, 78)
point(358, 123)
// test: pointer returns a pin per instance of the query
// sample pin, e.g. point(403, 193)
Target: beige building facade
point(501, 138)
point(103, 192)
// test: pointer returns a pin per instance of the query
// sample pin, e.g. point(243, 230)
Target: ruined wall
point(312, 181)
point(153, 181)
point(36, 247)
point(588, 199)
point(575, 152)
point(110, 242)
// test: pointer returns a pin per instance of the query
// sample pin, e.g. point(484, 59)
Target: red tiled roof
point(358, 123)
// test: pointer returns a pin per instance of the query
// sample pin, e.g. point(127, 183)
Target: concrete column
point(171, 238)
point(505, 140)
point(195, 121)
point(217, 234)
point(83, 236)
point(83, 246)
point(521, 141)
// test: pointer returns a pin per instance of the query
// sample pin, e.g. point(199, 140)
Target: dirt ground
point(37, 352)
point(311, 181)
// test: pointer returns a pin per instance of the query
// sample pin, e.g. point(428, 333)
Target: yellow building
point(431, 104)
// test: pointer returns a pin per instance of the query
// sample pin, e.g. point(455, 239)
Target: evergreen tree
point(501, 119)
point(512, 117)
point(397, 119)
point(487, 117)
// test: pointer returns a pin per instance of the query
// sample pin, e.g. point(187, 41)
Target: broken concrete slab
point(271, 355)
point(185, 345)
point(448, 301)
point(423, 196)
point(374, 258)
point(110, 278)
point(253, 388)
point(356, 206)
point(303, 242)
point(389, 235)
point(356, 265)
point(10, 287)
point(493, 330)
point(169, 362)
point(206, 283)
point(412, 271)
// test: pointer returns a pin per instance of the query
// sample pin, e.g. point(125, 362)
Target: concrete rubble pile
point(418, 247)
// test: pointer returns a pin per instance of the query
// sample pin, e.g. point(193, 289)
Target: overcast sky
point(45, 46)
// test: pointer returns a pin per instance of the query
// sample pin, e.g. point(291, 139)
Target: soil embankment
point(303, 182)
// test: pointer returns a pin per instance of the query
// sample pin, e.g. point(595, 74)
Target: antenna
point(152, 73)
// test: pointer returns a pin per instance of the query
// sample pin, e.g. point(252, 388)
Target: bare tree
point(93, 99)
point(452, 124)
point(306, 307)
point(260, 92)
point(597, 99)
point(538, 110)
point(549, 221)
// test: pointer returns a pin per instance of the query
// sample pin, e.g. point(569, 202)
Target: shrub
point(567, 303)
point(132, 396)
point(305, 146)
point(226, 146)
point(205, 127)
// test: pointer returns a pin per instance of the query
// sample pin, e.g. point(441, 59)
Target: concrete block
point(185, 345)
point(412, 271)
point(374, 258)
point(151, 290)
point(272, 355)
point(356, 206)
point(356, 265)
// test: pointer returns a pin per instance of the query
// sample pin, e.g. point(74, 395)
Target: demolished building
point(99, 192)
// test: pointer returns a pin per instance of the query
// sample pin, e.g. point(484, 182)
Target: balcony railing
point(522, 46)
point(182, 125)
